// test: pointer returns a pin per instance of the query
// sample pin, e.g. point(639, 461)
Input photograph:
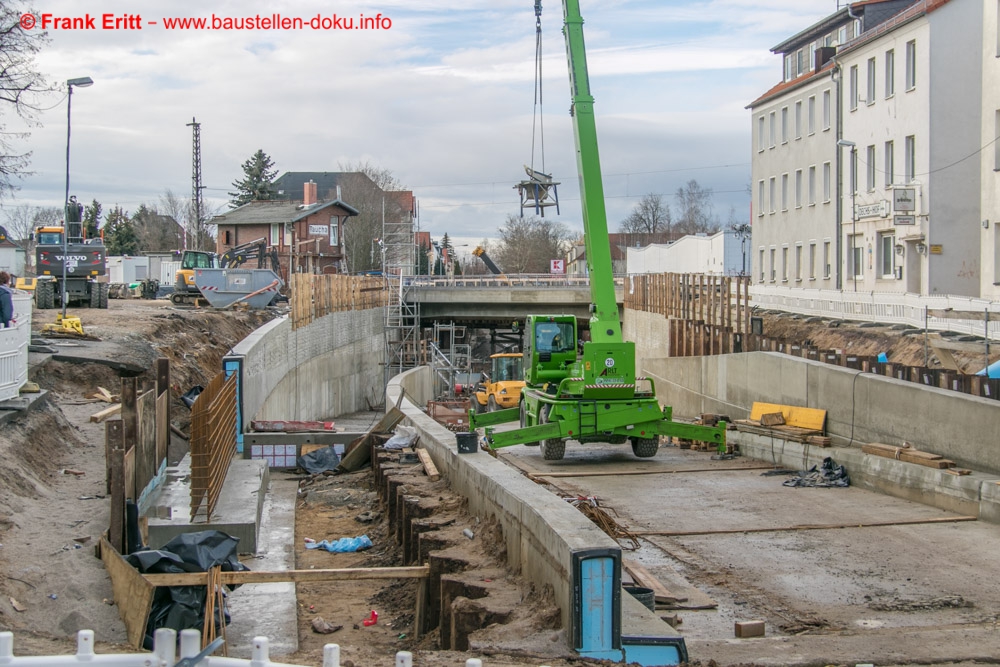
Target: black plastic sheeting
point(320, 460)
point(828, 474)
point(191, 395)
point(182, 607)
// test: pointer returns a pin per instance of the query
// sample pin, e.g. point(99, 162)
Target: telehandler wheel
point(491, 404)
point(45, 294)
point(553, 449)
point(524, 422)
point(645, 448)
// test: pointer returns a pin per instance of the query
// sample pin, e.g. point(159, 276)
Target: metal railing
point(14, 348)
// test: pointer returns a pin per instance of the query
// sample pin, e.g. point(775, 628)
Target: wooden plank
point(116, 483)
point(645, 578)
point(358, 452)
point(662, 471)
point(133, 595)
point(795, 415)
point(893, 452)
point(429, 468)
point(162, 409)
point(98, 417)
point(295, 576)
point(817, 526)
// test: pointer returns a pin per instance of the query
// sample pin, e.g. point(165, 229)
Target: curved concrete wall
point(329, 367)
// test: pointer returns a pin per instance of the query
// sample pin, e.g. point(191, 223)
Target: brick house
point(308, 234)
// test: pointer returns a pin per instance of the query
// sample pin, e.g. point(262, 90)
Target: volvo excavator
point(593, 396)
point(185, 290)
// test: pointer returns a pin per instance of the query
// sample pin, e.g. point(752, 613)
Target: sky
point(442, 94)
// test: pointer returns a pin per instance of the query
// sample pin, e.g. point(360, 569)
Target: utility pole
point(197, 206)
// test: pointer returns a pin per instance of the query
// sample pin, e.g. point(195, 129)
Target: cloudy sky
point(442, 95)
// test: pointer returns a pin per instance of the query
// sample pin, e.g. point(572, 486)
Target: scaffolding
point(403, 349)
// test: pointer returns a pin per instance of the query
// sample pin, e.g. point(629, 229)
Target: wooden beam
point(133, 595)
point(295, 576)
point(100, 416)
point(645, 578)
point(429, 468)
point(806, 526)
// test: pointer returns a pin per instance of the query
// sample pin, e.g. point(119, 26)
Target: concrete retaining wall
point(861, 407)
point(542, 532)
point(329, 367)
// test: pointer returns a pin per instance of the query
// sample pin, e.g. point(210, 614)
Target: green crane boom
point(594, 396)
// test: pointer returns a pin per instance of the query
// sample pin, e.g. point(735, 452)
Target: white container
point(14, 348)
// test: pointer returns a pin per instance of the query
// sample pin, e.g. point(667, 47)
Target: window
point(871, 81)
point(811, 113)
point(761, 138)
point(886, 247)
point(812, 261)
point(784, 192)
point(826, 182)
point(784, 125)
point(784, 264)
point(334, 231)
point(909, 159)
point(275, 239)
point(826, 109)
point(890, 167)
point(227, 238)
point(798, 262)
point(761, 264)
point(853, 89)
point(890, 73)
point(870, 168)
point(842, 35)
point(774, 268)
point(911, 65)
point(798, 188)
point(773, 128)
point(826, 259)
point(789, 66)
point(798, 119)
point(772, 194)
point(855, 244)
point(760, 197)
point(812, 185)
point(996, 139)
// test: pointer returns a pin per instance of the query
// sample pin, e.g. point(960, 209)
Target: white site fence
point(14, 348)
point(885, 307)
point(165, 654)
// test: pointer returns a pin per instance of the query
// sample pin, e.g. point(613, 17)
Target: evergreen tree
point(119, 233)
point(92, 219)
point(257, 183)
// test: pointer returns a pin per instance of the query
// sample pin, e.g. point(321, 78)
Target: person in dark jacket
point(6, 301)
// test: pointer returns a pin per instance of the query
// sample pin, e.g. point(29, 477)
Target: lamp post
point(81, 82)
point(854, 208)
point(743, 232)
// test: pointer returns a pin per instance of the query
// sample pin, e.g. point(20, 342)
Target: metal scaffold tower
point(402, 317)
point(193, 228)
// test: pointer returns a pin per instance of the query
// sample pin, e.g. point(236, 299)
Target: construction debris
point(829, 474)
point(591, 508)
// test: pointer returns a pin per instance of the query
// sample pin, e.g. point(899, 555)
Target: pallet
point(785, 432)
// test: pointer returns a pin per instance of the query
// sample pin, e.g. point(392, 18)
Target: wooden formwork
point(315, 296)
point(213, 443)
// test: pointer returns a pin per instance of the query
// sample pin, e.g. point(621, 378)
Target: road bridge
point(489, 301)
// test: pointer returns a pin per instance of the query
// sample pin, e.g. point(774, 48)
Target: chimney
point(309, 196)
point(822, 56)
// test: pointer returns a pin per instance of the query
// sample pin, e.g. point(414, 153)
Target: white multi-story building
point(990, 156)
point(882, 193)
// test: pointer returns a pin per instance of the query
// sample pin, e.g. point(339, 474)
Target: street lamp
point(81, 82)
point(854, 208)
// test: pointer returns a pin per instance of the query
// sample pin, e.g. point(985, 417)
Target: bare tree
point(364, 187)
point(20, 86)
point(527, 245)
point(694, 209)
point(155, 231)
point(651, 215)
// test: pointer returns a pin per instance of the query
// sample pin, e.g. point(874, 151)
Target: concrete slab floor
point(269, 610)
point(887, 594)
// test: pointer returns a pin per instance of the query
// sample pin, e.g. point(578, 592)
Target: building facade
point(990, 156)
point(862, 173)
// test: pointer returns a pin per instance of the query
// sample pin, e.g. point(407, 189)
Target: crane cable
point(536, 114)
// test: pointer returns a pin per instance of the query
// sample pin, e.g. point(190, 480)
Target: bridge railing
point(532, 280)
